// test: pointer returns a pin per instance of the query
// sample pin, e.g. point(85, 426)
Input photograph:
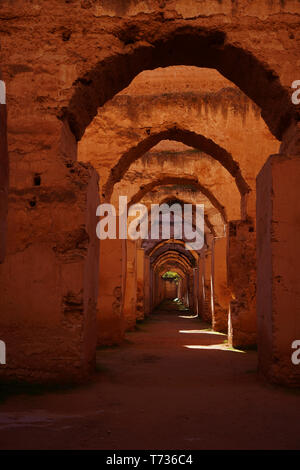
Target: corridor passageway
point(149, 224)
point(159, 391)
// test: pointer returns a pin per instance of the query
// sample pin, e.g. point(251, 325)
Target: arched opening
point(139, 104)
point(174, 43)
point(186, 137)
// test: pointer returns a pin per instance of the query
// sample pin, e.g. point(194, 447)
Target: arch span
point(151, 251)
point(189, 138)
point(208, 224)
point(176, 253)
point(182, 181)
point(163, 251)
point(179, 42)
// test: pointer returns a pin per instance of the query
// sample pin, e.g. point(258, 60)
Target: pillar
point(110, 318)
point(131, 287)
point(196, 290)
point(278, 273)
point(208, 300)
point(220, 288)
point(48, 280)
point(154, 288)
point(241, 262)
point(160, 288)
point(201, 278)
point(140, 294)
point(187, 290)
point(147, 286)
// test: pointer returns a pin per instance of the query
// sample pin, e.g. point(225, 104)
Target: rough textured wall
point(241, 263)
point(129, 309)
point(191, 8)
point(207, 301)
point(278, 253)
point(221, 290)
point(48, 284)
point(111, 279)
point(123, 47)
point(140, 284)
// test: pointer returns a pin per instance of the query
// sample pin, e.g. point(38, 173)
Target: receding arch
point(174, 259)
point(173, 250)
point(189, 138)
point(171, 245)
point(207, 221)
point(178, 180)
point(179, 42)
point(180, 201)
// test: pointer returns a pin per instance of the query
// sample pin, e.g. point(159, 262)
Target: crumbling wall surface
point(221, 291)
point(131, 286)
point(68, 68)
point(207, 301)
point(140, 284)
point(112, 279)
point(241, 262)
point(278, 277)
point(48, 288)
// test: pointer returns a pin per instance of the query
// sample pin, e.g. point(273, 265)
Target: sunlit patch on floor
point(188, 316)
point(202, 332)
point(220, 347)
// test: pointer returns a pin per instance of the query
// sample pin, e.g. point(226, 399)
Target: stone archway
point(179, 41)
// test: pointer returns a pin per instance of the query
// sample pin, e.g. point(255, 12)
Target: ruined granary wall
point(42, 79)
point(45, 50)
point(60, 62)
point(190, 8)
point(48, 281)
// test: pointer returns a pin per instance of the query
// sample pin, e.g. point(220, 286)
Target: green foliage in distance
point(171, 276)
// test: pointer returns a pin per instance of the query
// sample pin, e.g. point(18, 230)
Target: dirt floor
point(174, 384)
